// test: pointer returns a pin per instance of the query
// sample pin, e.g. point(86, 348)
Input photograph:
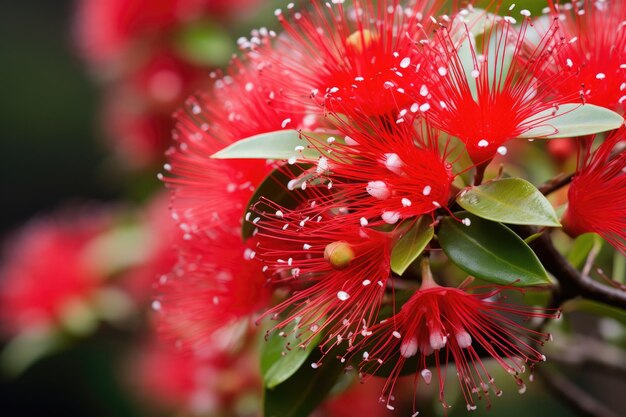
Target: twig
point(591, 258)
point(572, 395)
point(573, 283)
point(555, 183)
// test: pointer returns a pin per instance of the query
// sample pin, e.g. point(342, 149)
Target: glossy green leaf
point(279, 145)
point(282, 356)
point(301, 394)
point(409, 247)
point(581, 248)
point(572, 120)
point(490, 251)
point(509, 200)
point(274, 187)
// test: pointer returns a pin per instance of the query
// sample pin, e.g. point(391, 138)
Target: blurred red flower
point(48, 270)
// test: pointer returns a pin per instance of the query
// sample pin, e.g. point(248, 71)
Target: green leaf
point(279, 145)
point(300, 395)
point(509, 200)
point(581, 248)
point(282, 356)
point(409, 247)
point(490, 251)
point(204, 43)
point(572, 120)
point(274, 186)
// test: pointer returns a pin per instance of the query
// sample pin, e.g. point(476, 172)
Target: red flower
point(357, 400)
point(138, 135)
point(239, 106)
point(338, 269)
point(381, 171)
point(158, 255)
point(163, 80)
point(596, 197)
point(452, 323)
point(342, 56)
point(105, 30)
point(214, 286)
point(48, 269)
point(168, 377)
point(486, 97)
point(209, 385)
point(138, 110)
point(595, 54)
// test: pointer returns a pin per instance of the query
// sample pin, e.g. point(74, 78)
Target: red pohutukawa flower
point(490, 95)
point(239, 106)
point(137, 134)
point(195, 385)
point(164, 79)
point(158, 255)
point(382, 172)
point(214, 285)
point(439, 323)
point(339, 270)
point(595, 53)
point(105, 30)
point(596, 197)
point(340, 56)
point(49, 271)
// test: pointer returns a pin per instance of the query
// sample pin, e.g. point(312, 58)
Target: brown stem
point(573, 283)
point(480, 173)
point(556, 183)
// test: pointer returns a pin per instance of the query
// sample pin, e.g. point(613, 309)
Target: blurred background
point(88, 89)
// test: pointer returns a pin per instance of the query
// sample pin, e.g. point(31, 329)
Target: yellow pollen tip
point(339, 254)
point(360, 39)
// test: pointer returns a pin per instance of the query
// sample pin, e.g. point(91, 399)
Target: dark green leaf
point(509, 200)
point(282, 356)
point(274, 187)
point(279, 145)
point(490, 251)
point(572, 119)
point(409, 247)
point(300, 395)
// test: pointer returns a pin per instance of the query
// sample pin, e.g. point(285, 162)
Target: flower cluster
point(142, 53)
point(328, 145)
